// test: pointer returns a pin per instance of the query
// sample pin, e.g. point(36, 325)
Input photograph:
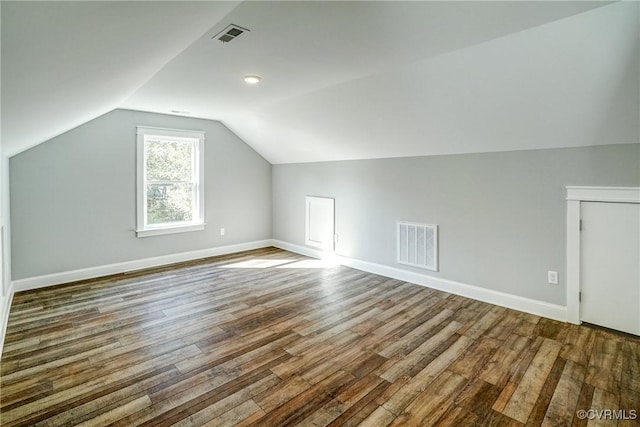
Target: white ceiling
point(341, 80)
point(64, 63)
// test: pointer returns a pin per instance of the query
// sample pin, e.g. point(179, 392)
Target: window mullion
point(168, 181)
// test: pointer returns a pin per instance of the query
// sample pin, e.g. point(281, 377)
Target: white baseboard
point(527, 305)
point(6, 306)
point(302, 250)
point(122, 267)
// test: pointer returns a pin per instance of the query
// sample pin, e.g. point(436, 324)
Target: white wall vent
point(418, 245)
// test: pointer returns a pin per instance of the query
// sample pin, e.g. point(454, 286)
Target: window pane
point(169, 203)
point(169, 160)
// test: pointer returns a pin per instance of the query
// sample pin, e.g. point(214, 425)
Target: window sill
point(157, 231)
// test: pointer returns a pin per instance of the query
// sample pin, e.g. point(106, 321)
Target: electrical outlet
point(222, 231)
point(552, 277)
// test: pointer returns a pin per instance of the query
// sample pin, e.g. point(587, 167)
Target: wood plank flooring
point(267, 338)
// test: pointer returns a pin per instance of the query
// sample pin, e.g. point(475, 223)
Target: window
point(170, 194)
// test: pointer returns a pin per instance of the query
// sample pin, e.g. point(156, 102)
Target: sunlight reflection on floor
point(326, 262)
point(259, 263)
point(311, 263)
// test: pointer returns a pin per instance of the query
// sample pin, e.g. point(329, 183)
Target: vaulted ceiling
point(340, 80)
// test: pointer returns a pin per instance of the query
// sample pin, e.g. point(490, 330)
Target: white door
point(320, 224)
point(610, 265)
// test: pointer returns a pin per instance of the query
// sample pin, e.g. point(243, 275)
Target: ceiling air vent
point(231, 32)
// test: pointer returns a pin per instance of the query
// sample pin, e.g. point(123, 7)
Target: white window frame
point(142, 228)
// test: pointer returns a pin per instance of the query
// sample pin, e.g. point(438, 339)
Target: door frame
point(575, 196)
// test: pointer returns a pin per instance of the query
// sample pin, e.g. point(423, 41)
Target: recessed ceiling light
point(252, 79)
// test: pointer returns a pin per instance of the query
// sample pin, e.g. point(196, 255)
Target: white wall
point(73, 197)
point(501, 216)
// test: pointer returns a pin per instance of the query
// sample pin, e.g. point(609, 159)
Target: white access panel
point(319, 224)
point(610, 265)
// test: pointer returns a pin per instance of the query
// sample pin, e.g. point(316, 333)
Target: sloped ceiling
point(341, 80)
point(64, 63)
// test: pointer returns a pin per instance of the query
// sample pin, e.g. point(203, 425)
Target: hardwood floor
point(265, 338)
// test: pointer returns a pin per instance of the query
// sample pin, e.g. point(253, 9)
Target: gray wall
point(73, 201)
point(501, 216)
